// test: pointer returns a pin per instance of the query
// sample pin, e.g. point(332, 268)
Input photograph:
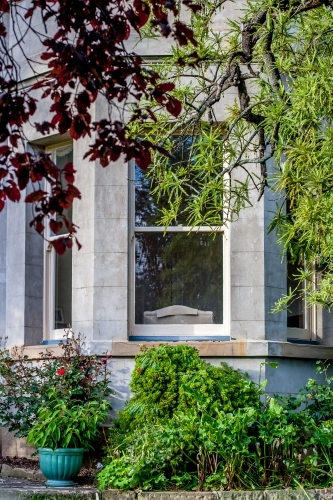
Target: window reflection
point(179, 269)
point(147, 206)
point(296, 310)
point(178, 276)
point(63, 290)
point(63, 263)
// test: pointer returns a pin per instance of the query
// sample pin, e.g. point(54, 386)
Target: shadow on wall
point(14, 447)
point(121, 372)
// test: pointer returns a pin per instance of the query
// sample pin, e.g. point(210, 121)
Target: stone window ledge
point(233, 348)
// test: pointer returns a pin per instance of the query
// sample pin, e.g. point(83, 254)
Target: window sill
point(179, 338)
point(233, 348)
point(299, 333)
point(35, 351)
point(214, 349)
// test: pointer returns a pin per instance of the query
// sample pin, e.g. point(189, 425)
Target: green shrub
point(158, 434)
point(194, 426)
point(170, 378)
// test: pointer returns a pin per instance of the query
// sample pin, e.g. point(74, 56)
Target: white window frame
point(176, 330)
point(49, 332)
point(309, 332)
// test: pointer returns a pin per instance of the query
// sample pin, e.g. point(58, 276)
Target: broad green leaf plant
point(60, 425)
point(257, 115)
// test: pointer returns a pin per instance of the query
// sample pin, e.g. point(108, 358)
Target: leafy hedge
point(168, 379)
point(191, 425)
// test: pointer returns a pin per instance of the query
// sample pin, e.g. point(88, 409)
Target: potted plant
point(26, 383)
point(61, 435)
point(57, 402)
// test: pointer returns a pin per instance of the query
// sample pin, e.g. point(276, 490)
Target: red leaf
point(3, 31)
point(12, 192)
point(55, 226)
point(69, 172)
point(44, 127)
point(38, 85)
point(29, 12)
point(165, 87)
point(58, 34)
point(4, 6)
point(35, 196)
point(13, 139)
point(69, 168)
point(69, 178)
point(2, 204)
point(23, 176)
point(80, 126)
point(39, 226)
point(78, 244)
point(4, 150)
point(3, 173)
point(83, 101)
point(183, 34)
point(174, 106)
point(115, 153)
point(73, 192)
point(32, 106)
point(60, 244)
point(142, 11)
point(47, 55)
point(144, 159)
point(64, 124)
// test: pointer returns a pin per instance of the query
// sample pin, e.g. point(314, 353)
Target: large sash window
point(177, 274)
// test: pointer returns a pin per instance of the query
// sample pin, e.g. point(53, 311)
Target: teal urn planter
point(60, 466)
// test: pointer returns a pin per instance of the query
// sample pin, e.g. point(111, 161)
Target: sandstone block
point(23, 473)
point(119, 495)
point(291, 495)
point(178, 495)
point(6, 470)
point(325, 494)
point(39, 476)
point(241, 495)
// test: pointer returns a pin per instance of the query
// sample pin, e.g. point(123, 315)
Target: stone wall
point(222, 495)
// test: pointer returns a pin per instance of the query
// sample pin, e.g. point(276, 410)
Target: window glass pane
point(63, 290)
point(147, 206)
point(178, 269)
point(296, 312)
point(63, 156)
point(63, 263)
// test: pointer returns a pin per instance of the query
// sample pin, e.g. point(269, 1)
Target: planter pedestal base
point(58, 483)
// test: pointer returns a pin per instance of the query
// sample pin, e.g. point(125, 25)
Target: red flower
point(61, 371)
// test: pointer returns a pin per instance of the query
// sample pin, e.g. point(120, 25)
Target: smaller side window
point(301, 319)
point(296, 310)
point(57, 270)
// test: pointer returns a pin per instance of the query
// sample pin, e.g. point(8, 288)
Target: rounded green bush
point(169, 378)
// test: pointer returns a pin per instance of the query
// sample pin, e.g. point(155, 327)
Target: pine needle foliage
point(169, 378)
point(257, 116)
